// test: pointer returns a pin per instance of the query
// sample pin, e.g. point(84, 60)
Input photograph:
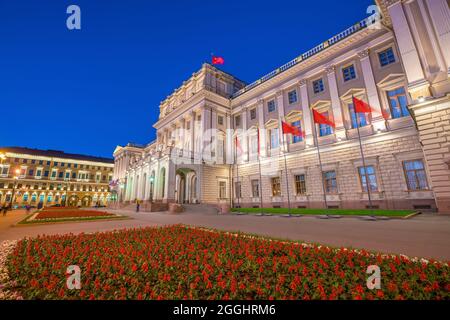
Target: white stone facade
point(401, 69)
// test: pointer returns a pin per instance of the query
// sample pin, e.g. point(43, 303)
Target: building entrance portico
point(186, 186)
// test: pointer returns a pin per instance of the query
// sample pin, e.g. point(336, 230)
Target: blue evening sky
point(87, 91)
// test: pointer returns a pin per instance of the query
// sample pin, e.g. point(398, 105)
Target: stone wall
point(433, 122)
point(384, 151)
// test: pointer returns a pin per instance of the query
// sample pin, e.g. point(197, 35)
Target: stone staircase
point(203, 209)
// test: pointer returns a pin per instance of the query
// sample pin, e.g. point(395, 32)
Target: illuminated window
point(416, 178)
point(276, 186)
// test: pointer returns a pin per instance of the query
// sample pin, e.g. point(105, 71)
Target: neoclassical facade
point(219, 140)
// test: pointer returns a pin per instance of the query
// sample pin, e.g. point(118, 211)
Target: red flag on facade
point(238, 145)
point(218, 60)
point(321, 119)
point(288, 129)
point(361, 106)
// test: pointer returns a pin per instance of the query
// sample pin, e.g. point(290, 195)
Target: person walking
point(138, 205)
point(28, 208)
point(4, 209)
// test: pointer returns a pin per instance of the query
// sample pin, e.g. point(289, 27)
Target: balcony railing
point(337, 38)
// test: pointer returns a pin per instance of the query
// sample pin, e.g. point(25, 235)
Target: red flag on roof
point(321, 119)
point(218, 60)
point(288, 129)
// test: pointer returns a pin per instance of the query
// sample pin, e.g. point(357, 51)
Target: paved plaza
point(426, 235)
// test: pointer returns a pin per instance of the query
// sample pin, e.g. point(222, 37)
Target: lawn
point(180, 262)
point(49, 215)
point(308, 211)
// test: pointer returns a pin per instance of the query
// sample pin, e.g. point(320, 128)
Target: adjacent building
point(219, 140)
point(32, 176)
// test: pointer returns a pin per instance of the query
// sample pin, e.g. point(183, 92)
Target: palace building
point(219, 140)
point(32, 176)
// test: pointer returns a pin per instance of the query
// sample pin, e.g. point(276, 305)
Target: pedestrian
point(138, 205)
point(28, 208)
point(4, 209)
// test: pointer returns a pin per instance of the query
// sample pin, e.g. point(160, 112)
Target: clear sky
point(86, 91)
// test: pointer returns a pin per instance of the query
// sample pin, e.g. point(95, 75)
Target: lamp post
point(16, 178)
point(151, 188)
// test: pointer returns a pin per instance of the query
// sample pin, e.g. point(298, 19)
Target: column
point(336, 103)
point(262, 128)
point(229, 142)
point(280, 107)
point(372, 91)
point(440, 16)
point(206, 134)
point(192, 132)
point(306, 113)
point(214, 134)
point(244, 137)
point(405, 41)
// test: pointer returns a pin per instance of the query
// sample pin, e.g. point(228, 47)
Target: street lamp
point(151, 188)
point(16, 178)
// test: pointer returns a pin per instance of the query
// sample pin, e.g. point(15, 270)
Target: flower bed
point(180, 262)
point(70, 213)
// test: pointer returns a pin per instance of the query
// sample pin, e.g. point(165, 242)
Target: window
point(53, 174)
point(41, 162)
point(61, 174)
point(33, 161)
point(358, 119)
point(398, 103)
point(5, 170)
point(30, 172)
point(292, 96)
point(46, 173)
point(252, 114)
point(220, 148)
point(330, 182)
point(324, 129)
point(276, 186)
point(220, 120)
point(255, 188)
point(416, 178)
point(274, 138)
point(24, 160)
point(48, 163)
point(271, 106)
point(386, 57)
point(67, 175)
point(254, 144)
point(38, 173)
point(55, 164)
point(318, 86)
point(300, 184)
point(297, 124)
point(25, 197)
point(349, 73)
point(74, 175)
point(237, 190)
point(368, 173)
point(237, 121)
point(222, 190)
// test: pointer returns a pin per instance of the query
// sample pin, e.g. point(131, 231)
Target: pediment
point(392, 79)
point(293, 114)
point(321, 104)
point(271, 123)
point(353, 92)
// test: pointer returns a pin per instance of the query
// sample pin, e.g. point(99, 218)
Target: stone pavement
point(426, 236)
